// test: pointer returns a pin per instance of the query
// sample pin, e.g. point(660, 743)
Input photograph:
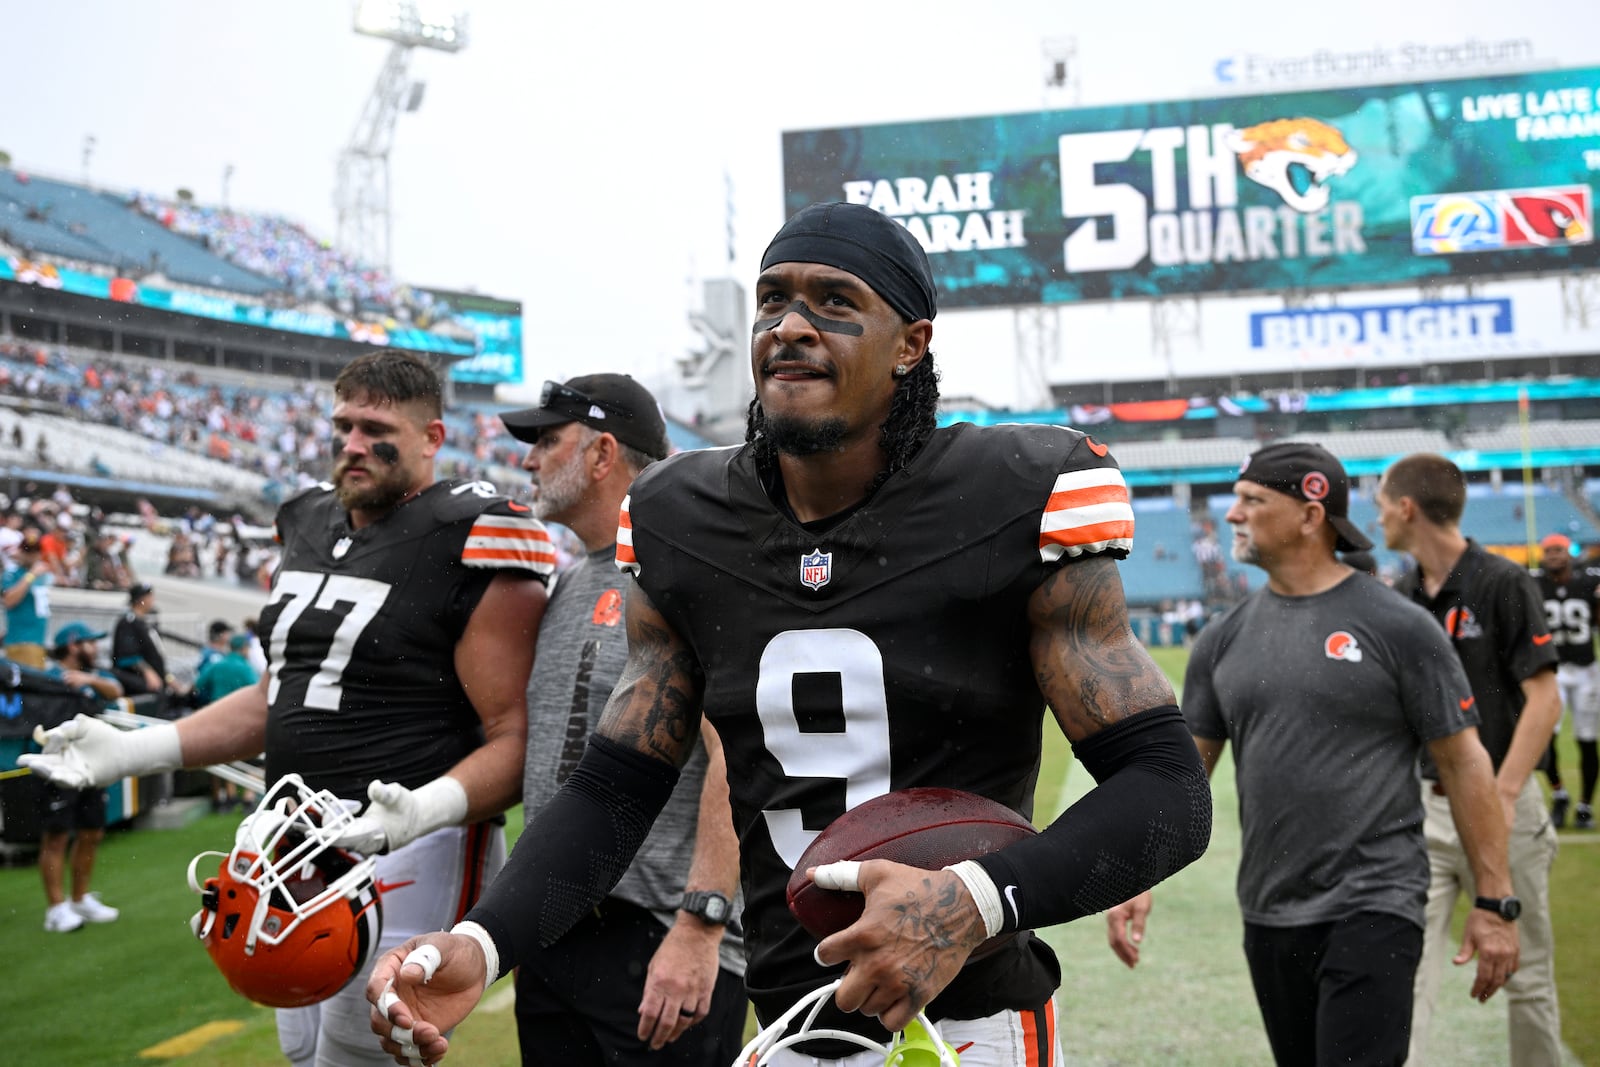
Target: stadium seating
point(1162, 566)
point(47, 216)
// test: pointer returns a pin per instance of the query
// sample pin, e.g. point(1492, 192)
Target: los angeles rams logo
point(1314, 486)
point(1341, 645)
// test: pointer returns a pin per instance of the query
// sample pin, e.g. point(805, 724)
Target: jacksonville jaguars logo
point(1295, 158)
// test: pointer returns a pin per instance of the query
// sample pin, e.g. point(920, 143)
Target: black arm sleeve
point(576, 848)
point(1149, 817)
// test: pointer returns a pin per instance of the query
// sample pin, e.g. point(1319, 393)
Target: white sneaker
point(61, 918)
point(89, 909)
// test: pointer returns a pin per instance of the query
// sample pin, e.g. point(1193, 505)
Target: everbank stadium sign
point(1337, 188)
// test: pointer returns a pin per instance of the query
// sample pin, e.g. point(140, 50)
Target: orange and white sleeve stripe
point(1088, 511)
point(510, 542)
point(626, 560)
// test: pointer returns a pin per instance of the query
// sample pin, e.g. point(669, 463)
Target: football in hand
point(924, 827)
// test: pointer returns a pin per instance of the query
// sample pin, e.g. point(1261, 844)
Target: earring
point(901, 370)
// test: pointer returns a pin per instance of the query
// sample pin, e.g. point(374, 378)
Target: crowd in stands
point(81, 549)
point(310, 270)
point(284, 435)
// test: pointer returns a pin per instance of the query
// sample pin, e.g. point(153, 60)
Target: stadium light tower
point(362, 198)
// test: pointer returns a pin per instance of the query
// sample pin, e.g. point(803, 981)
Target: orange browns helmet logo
point(1460, 622)
point(1314, 486)
point(1341, 645)
point(607, 609)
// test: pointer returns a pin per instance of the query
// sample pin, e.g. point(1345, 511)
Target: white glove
point(398, 816)
point(87, 753)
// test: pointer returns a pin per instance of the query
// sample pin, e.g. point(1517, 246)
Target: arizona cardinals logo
point(1314, 486)
point(1341, 645)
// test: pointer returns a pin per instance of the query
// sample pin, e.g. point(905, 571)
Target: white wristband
point(152, 749)
point(441, 802)
point(491, 955)
point(984, 894)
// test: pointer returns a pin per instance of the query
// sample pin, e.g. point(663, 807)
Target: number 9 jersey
point(875, 651)
point(361, 626)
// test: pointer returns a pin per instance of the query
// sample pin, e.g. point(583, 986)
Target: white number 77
point(299, 590)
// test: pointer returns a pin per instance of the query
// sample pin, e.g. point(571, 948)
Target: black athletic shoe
point(1560, 800)
point(1585, 819)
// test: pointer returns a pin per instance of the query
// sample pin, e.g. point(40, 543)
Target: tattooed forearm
point(1088, 663)
point(655, 706)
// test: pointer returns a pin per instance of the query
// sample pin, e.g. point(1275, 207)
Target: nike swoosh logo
point(388, 887)
point(959, 1049)
point(1543, 639)
point(514, 506)
point(1467, 703)
point(1096, 447)
point(1011, 899)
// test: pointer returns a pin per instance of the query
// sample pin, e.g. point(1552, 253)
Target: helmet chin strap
point(918, 1045)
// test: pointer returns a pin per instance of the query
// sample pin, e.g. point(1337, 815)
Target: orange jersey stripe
point(1094, 494)
point(1094, 533)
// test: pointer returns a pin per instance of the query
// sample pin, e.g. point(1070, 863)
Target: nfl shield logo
point(816, 568)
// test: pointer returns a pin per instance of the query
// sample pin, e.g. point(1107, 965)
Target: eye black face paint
point(339, 441)
point(386, 452)
point(825, 325)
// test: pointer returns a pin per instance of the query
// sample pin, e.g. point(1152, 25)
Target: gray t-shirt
point(583, 645)
point(1328, 699)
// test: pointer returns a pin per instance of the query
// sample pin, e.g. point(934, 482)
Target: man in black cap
point(1493, 614)
point(1329, 686)
point(653, 975)
point(860, 602)
point(137, 654)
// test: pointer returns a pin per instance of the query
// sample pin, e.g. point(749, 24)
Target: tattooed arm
point(1090, 667)
point(655, 706)
point(1149, 816)
point(572, 852)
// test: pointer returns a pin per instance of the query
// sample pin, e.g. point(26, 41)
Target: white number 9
point(858, 754)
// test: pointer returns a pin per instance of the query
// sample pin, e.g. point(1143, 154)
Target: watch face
point(716, 908)
point(1510, 908)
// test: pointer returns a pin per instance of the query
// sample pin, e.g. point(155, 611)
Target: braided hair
point(913, 416)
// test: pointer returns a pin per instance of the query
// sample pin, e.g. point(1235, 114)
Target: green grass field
point(100, 997)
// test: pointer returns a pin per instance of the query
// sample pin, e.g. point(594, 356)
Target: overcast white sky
point(573, 155)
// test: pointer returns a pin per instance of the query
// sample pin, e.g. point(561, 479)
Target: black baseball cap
point(139, 591)
point(1309, 472)
point(613, 403)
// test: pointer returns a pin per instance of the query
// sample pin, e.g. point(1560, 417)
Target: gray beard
point(794, 437)
point(1246, 553)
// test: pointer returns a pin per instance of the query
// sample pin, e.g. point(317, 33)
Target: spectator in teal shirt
point(25, 592)
point(222, 676)
point(74, 815)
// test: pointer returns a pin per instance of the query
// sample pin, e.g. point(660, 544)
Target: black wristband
point(576, 848)
point(1149, 817)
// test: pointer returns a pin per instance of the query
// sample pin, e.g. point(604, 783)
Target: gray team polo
point(1327, 700)
point(583, 646)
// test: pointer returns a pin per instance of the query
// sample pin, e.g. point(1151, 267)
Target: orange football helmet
point(289, 919)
